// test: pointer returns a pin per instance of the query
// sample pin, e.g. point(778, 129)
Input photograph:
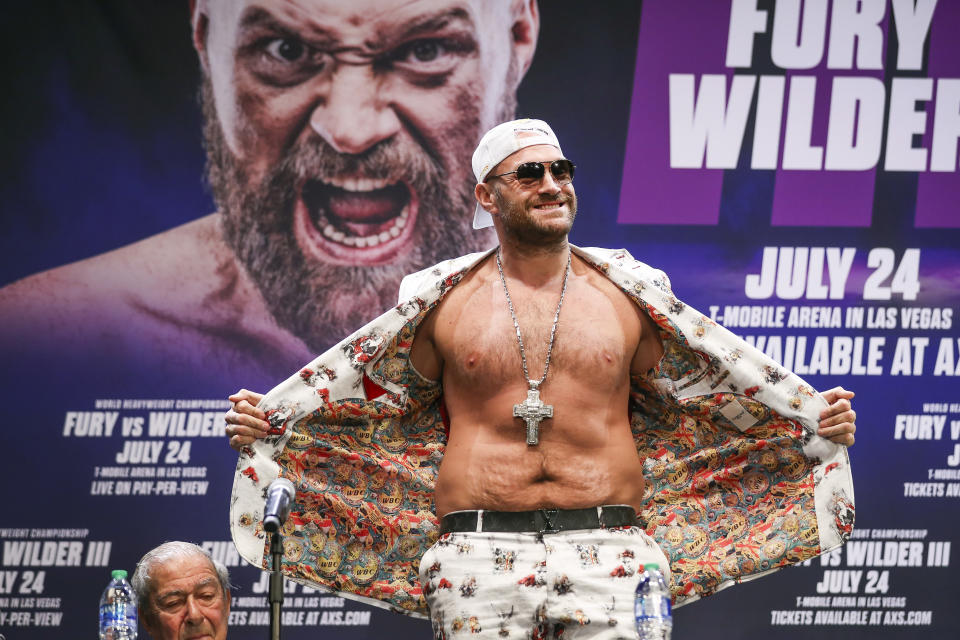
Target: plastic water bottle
point(651, 608)
point(118, 609)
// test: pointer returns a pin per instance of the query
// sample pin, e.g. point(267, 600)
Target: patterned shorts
point(572, 584)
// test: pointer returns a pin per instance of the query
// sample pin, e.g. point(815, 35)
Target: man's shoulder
point(416, 282)
point(150, 258)
point(621, 262)
point(180, 291)
point(168, 275)
point(603, 253)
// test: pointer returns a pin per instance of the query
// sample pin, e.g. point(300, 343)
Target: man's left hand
point(838, 421)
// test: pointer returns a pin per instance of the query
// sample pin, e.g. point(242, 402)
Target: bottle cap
point(651, 565)
point(119, 573)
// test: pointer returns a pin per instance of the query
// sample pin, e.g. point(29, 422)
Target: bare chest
point(596, 336)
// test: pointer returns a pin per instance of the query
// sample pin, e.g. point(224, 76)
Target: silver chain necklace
point(532, 410)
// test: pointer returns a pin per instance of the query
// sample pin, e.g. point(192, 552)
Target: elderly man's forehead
point(362, 21)
point(178, 587)
point(181, 572)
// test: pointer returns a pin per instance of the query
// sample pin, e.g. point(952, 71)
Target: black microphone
point(279, 496)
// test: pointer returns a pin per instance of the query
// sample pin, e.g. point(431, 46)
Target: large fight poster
point(791, 165)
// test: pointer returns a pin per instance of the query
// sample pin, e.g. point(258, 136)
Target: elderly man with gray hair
point(183, 592)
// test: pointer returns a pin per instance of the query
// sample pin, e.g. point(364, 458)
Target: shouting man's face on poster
point(339, 136)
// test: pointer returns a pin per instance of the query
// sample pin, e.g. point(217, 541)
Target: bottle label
point(113, 615)
point(652, 605)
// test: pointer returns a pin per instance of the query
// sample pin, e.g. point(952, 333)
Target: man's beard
point(317, 301)
point(523, 227)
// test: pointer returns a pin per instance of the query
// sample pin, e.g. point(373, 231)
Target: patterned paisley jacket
point(739, 484)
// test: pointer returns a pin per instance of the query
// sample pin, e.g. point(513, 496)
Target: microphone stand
point(276, 584)
point(275, 512)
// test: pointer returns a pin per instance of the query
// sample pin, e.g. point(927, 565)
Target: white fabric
point(576, 584)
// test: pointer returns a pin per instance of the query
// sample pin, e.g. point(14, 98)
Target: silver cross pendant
point(533, 411)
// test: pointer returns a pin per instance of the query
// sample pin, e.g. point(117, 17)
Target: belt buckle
point(549, 516)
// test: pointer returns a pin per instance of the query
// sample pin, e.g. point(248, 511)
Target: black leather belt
point(540, 520)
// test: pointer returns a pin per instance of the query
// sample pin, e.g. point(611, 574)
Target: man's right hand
point(245, 422)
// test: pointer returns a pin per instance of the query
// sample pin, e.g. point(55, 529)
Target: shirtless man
point(584, 456)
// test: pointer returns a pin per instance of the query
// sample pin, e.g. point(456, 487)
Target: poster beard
point(320, 302)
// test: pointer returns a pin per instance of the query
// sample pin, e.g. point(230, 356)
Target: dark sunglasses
point(532, 172)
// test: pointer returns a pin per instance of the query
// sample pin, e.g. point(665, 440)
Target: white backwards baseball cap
point(501, 141)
